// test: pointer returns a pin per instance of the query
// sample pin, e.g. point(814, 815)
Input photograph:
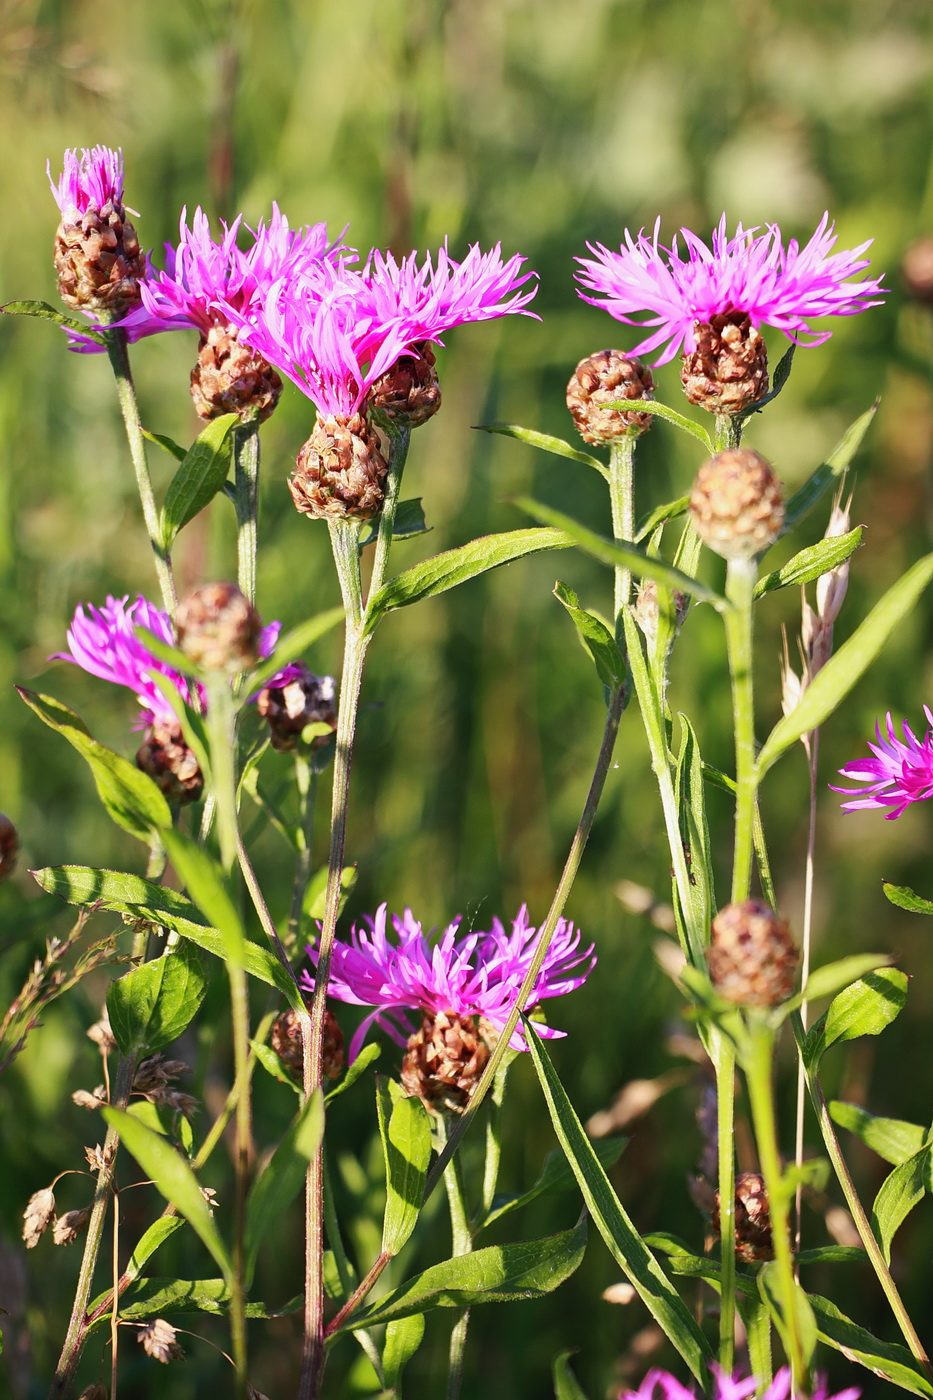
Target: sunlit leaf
point(403, 1338)
point(864, 1008)
point(151, 1005)
point(201, 474)
point(888, 1360)
point(595, 636)
point(555, 1175)
point(566, 1385)
point(829, 472)
point(406, 1146)
point(891, 1138)
point(905, 898)
point(901, 1190)
point(811, 562)
point(48, 313)
point(547, 443)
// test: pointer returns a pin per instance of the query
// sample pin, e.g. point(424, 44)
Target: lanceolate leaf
point(691, 803)
point(850, 662)
point(48, 313)
point(200, 476)
point(623, 1240)
point(403, 1338)
point(150, 1006)
point(669, 511)
point(661, 410)
point(555, 1175)
point(207, 887)
point(864, 1008)
point(283, 1178)
point(292, 645)
point(891, 1138)
point(888, 1360)
point(147, 1298)
point(444, 571)
point(904, 898)
point(828, 980)
point(829, 472)
point(409, 521)
point(566, 1385)
point(595, 636)
point(500, 1274)
point(900, 1192)
point(778, 380)
point(547, 444)
point(159, 1231)
point(770, 1290)
point(811, 562)
point(406, 1146)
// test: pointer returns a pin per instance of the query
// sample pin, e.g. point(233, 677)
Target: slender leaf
point(406, 1146)
point(811, 562)
point(864, 1008)
point(48, 313)
point(444, 571)
point(623, 1240)
point(367, 1056)
point(150, 1006)
point(173, 1177)
point(555, 1175)
point(206, 885)
point(556, 445)
point(888, 1360)
point(131, 798)
point(827, 981)
point(272, 1194)
point(770, 1289)
point(409, 521)
point(164, 651)
point(891, 1138)
point(849, 663)
point(905, 898)
point(316, 893)
point(498, 1274)
point(628, 556)
point(778, 380)
point(596, 638)
point(829, 472)
point(192, 724)
point(200, 476)
point(403, 1338)
point(901, 1190)
point(291, 646)
point(257, 962)
point(163, 1297)
point(694, 830)
point(159, 1231)
point(566, 1385)
point(169, 445)
point(661, 410)
point(660, 515)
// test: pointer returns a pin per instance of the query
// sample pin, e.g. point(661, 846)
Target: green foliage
point(547, 443)
point(293, 644)
point(200, 476)
point(900, 1192)
point(403, 1338)
point(829, 472)
point(406, 1146)
point(150, 1006)
point(864, 1008)
point(566, 1385)
point(556, 1175)
point(891, 1138)
point(49, 313)
point(905, 898)
point(811, 562)
point(596, 638)
point(276, 1188)
point(888, 1360)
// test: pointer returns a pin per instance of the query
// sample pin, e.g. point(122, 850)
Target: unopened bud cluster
point(444, 1061)
point(752, 955)
point(753, 1243)
point(218, 628)
point(298, 700)
point(728, 370)
point(737, 505)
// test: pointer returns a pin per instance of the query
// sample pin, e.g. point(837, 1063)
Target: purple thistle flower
point(661, 1385)
point(477, 974)
point(901, 771)
point(88, 181)
point(434, 299)
point(751, 272)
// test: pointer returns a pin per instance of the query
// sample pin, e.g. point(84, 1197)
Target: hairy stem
point(246, 500)
point(621, 497)
point(461, 1243)
point(723, 1057)
point(813, 749)
point(740, 586)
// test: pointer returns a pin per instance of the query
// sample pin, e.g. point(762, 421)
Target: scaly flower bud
point(445, 1059)
point(171, 765)
point(340, 471)
point(286, 1042)
point(410, 392)
point(219, 629)
point(296, 699)
point(752, 955)
point(97, 253)
point(605, 378)
point(728, 370)
point(752, 1219)
point(229, 377)
point(736, 503)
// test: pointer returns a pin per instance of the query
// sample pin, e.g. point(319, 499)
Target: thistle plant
point(219, 695)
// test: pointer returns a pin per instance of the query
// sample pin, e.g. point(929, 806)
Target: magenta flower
point(103, 641)
point(434, 299)
point(477, 974)
point(752, 272)
point(661, 1385)
point(900, 772)
point(89, 181)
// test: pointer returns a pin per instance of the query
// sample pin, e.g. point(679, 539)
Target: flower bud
point(229, 377)
point(605, 378)
point(340, 471)
point(753, 1242)
point(286, 1042)
point(9, 846)
point(736, 504)
point(409, 393)
point(728, 370)
point(647, 611)
point(752, 955)
point(444, 1061)
point(917, 270)
point(171, 765)
point(218, 628)
point(97, 254)
point(297, 699)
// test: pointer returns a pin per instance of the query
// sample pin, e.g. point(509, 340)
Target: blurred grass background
point(542, 124)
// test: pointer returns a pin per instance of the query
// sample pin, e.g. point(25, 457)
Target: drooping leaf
point(291, 646)
point(566, 1385)
point(201, 474)
point(864, 1008)
point(208, 889)
point(595, 636)
point(811, 562)
point(498, 1274)
point(888, 1360)
point(778, 380)
point(454, 566)
point(555, 1175)
point(368, 1055)
point(403, 1338)
point(546, 443)
point(892, 1138)
point(848, 664)
point(900, 1191)
point(409, 521)
point(828, 980)
point(905, 898)
point(275, 1190)
point(131, 797)
point(163, 1297)
point(173, 1177)
point(406, 1146)
point(829, 472)
point(669, 511)
point(661, 410)
point(48, 313)
point(623, 1240)
point(151, 1005)
point(167, 444)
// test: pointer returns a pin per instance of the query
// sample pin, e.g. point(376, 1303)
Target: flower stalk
point(246, 499)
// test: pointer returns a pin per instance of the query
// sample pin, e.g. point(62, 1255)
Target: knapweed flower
point(97, 253)
point(900, 771)
point(470, 974)
point(712, 302)
point(661, 1385)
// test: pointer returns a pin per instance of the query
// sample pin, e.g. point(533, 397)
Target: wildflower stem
point(757, 1065)
point(126, 393)
point(740, 586)
point(461, 1243)
point(813, 749)
point(723, 1057)
point(306, 783)
point(728, 431)
point(621, 496)
point(246, 487)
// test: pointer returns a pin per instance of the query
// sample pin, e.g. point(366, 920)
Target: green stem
point(728, 431)
point(493, 1144)
point(621, 497)
point(306, 783)
point(740, 588)
point(246, 499)
point(723, 1056)
point(126, 393)
point(757, 1066)
point(462, 1243)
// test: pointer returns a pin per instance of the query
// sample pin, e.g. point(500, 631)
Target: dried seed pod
point(409, 393)
point(753, 1243)
point(728, 370)
point(218, 628)
point(736, 504)
point(229, 377)
point(37, 1217)
point(83, 1099)
point(752, 955)
point(445, 1059)
point(102, 1035)
point(69, 1226)
point(158, 1341)
point(605, 378)
point(340, 470)
point(171, 765)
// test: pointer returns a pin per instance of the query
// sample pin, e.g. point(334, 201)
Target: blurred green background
point(540, 123)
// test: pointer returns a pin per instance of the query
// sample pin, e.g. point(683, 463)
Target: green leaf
point(623, 1240)
point(778, 380)
point(900, 1192)
point(770, 1289)
point(131, 798)
point(546, 444)
point(849, 663)
point(406, 1146)
point(272, 1194)
point(555, 1175)
point(159, 1231)
point(661, 410)
point(206, 885)
point(403, 1338)
point(160, 1297)
point(200, 476)
point(409, 521)
point(273, 1066)
point(829, 472)
point(367, 1056)
point(169, 445)
point(192, 724)
point(257, 962)
point(891, 1138)
point(596, 638)
point(828, 980)
point(566, 1385)
point(48, 313)
point(888, 1360)
point(173, 1177)
point(904, 898)
point(865, 1008)
point(316, 892)
point(291, 646)
point(503, 1273)
point(150, 1006)
point(443, 571)
point(164, 651)
point(694, 831)
point(628, 556)
point(660, 515)
point(811, 562)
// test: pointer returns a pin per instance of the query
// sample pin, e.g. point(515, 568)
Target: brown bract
point(290, 708)
point(737, 505)
point(232, 378)
point(409, 393)
point(601, 379)
point(218, 628)
point(444, 1061)
point(9, 846)
point(917, 270)
point(99, 262)
point(173, 767)
point(728, 370)
point(753, 1242)
point(286, 1042)
point(340, 470)
point(752, 955)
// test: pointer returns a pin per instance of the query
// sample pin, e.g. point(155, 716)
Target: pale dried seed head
point(37, 1217)
point(158, 1341)
point(69, 1226)
point(736, 504)
point(99, 1157)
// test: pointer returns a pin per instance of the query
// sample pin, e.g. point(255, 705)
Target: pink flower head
point(751, 272)
point(103, 641)
point(434, 299)
point(477, 974)
point(900, 772)
point(89, 181)
point(661, 1385)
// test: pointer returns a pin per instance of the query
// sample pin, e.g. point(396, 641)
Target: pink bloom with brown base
point(899, 772)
